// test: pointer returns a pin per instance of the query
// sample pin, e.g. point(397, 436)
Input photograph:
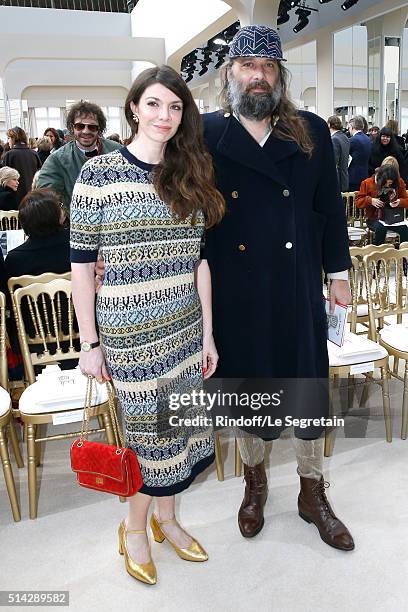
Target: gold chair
point(387, 298)
point(359, 313)
point(9, 220)
point(6, 422)
point(359, 353)
point(53, 334)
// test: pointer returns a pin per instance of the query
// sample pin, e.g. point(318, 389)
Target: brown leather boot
point(314, 508)
point(250, 515)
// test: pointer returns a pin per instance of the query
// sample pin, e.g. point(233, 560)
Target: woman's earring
point(135, 118)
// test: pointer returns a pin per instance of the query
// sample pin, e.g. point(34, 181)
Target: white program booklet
point(336, 322)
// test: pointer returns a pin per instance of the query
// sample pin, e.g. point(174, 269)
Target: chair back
point(360, 252)
point(354, 215)
point(383, 271)
point(9, 220)
point(46, 324)
point(3, 352)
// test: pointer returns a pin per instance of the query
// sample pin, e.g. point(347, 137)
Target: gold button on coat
point(242, 247)
point(234, 194)
point(286, 193)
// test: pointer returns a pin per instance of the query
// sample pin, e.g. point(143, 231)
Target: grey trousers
point(309, 453)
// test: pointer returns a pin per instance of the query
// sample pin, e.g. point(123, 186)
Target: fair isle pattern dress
point(148, 311)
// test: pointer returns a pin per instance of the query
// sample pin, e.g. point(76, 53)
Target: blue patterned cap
point(256, 41)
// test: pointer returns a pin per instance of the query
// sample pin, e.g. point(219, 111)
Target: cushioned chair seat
point(49, 395)
point(362, 310)
point(355, 350)
point(5, 402)
point(396, 336)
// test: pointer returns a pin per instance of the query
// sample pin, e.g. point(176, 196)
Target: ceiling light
point(348, 4)
point(303, 19)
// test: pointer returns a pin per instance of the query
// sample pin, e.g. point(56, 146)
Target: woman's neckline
point(135, 160)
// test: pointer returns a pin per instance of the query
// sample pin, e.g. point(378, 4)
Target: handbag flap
point(97, 458)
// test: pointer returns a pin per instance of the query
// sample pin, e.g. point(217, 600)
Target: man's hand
point(99, 274)
point(339, 292)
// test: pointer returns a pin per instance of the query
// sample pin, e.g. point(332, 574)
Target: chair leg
point(238, 460)
point(15, 444)
point(8, 476)
point(32, 471)
point(396, 363)
point(100, 420)
point(38, 446)
point(405, 405)
point(219, 463)
point(386, 403)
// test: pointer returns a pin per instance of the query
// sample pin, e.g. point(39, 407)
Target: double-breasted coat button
point(242, 247)
point(286, 193)
point(288, 245)
point(227, 114)
point(234, 194)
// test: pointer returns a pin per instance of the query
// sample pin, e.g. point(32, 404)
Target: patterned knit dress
point(148, 312)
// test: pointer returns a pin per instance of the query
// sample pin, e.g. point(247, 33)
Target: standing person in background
point(392, 124)
point(43, 148)
point(360, 150)
point(373, 132)
point(341, 147)
point(86, 122)
point(384, 146)
point(53, 135)
point(21, 158)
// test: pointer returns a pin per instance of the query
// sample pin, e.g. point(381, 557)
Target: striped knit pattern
point(148, 312)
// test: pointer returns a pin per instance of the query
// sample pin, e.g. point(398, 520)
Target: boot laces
point(319, 489)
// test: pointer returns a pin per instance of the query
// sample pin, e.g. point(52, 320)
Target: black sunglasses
point(91, 127)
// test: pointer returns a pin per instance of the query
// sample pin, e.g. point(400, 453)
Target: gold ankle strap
point(166, 522)
point(135, 530)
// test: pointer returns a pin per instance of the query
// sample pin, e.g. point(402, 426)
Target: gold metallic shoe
point(145, 572)
point(195, 552)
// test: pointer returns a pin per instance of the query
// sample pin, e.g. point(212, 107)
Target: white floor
point(73, 543)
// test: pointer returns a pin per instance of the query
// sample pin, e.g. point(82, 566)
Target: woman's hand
point(99, 274)
point(92, 363)
point(377, 203)
point(210, 356)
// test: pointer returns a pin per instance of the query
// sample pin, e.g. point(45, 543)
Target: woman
point(21, 158)
point(47, 246)
point(44, 148)
point(392, 124)
point(144, 207)
point(384, 146)
point(53, 135)
point(385, 185)
point(9, 179)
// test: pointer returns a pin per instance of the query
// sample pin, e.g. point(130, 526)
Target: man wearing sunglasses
point(86, 123)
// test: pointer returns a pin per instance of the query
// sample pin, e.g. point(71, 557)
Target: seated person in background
point(45, 250)
point(47, 246)
point(385, 189)
point(9, 178)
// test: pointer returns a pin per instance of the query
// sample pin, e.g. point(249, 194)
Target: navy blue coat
point(285, 222)
point(360, 151)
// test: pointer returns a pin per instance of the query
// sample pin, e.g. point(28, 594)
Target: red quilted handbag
point(111, 469)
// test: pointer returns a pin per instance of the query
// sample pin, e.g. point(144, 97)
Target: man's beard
point(256, 106)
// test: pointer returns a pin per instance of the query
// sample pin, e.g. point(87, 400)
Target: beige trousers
point(309, 453)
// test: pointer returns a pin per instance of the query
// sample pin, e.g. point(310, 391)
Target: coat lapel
point(237, 144)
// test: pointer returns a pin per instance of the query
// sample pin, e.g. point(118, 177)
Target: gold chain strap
point(112, 411)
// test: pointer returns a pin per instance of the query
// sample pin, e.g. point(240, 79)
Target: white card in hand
point(336, 322)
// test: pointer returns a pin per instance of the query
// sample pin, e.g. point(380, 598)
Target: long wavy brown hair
point(185, 178)
point(291, 125)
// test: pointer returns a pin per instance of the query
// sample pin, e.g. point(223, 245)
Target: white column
point(212, 94)
point(324, 77)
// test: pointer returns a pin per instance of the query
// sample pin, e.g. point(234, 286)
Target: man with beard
point(284, 223)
